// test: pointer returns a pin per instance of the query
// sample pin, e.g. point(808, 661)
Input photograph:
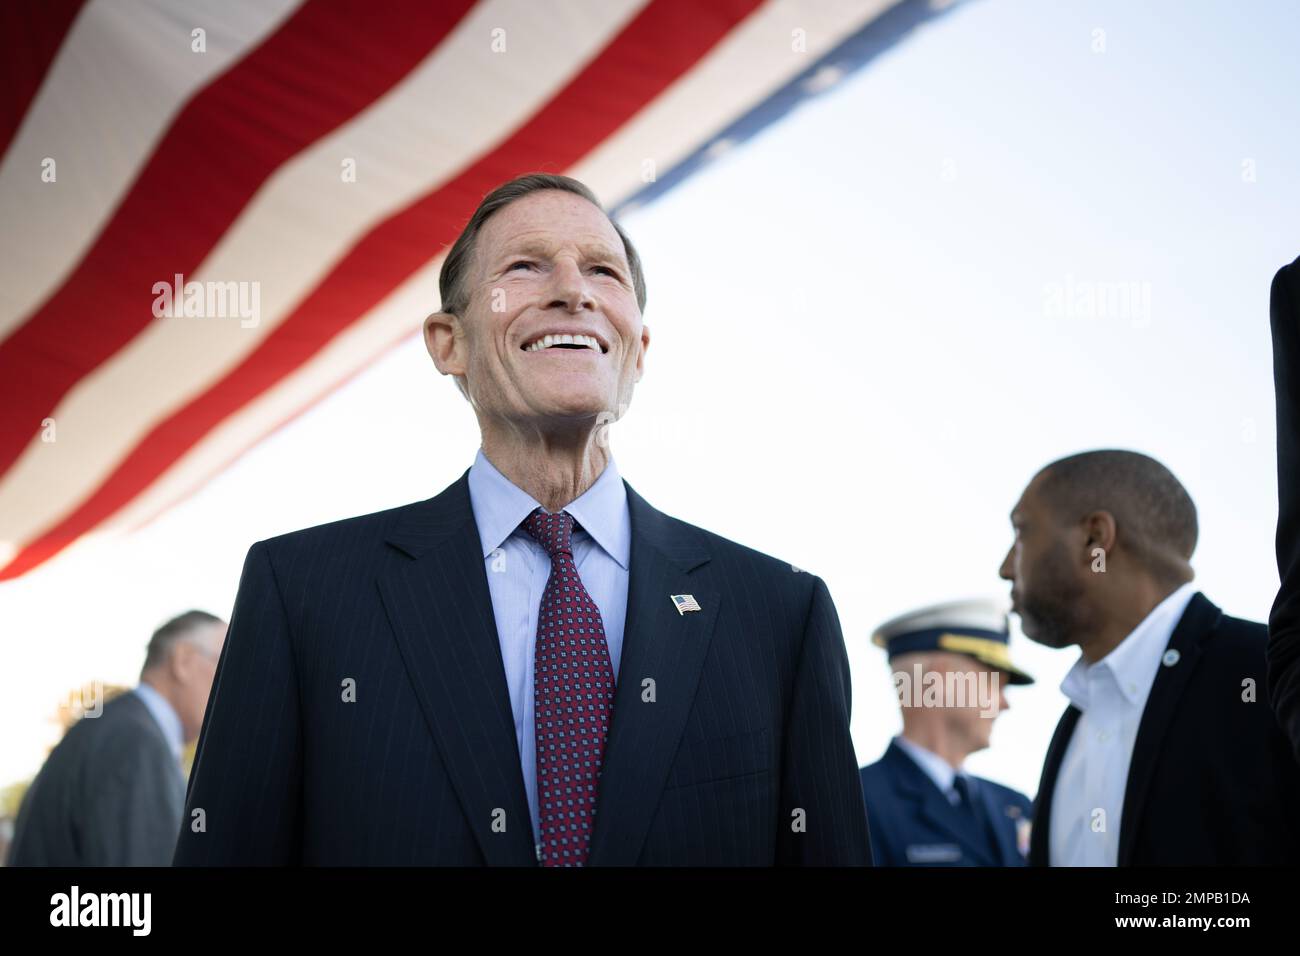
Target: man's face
point(549, 263)
point(977, 717)
point(970, 715)
point(972, 695)
point(1047, 572)
point(194, 668)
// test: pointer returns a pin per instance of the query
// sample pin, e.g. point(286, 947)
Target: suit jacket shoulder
point(347, 535)
point(109, 793)
point(123, 734)
point(1235, 641)
point(406, 526)
point(752, 576)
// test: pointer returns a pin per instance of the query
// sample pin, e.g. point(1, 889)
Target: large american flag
point(325, 152)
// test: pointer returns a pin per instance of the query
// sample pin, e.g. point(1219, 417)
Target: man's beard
point(1053, 615)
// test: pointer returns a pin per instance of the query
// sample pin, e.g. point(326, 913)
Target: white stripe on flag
point(746, 67)
point(738, 73)
point(122, 74)
point(287, 238)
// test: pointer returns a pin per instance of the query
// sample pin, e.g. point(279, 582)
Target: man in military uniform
point(950, 664)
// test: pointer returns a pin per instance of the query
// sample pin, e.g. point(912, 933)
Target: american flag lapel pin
point(684, 603)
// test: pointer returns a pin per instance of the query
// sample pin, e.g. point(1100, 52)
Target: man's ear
point(1099, 532)
point(180, 664)
point(640, 359)
point(444, 337)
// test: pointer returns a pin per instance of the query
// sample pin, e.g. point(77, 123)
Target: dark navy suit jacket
point(729, 743)
point(1284, 622)
point(1211, 781)
point(913, 823)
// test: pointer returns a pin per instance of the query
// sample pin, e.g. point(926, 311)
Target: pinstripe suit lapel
point(662, 646)
point(440, 610)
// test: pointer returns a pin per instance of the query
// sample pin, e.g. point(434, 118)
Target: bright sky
point(870, 327)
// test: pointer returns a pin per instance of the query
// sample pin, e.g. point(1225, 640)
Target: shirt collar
point(165, 714)
point(934, 766)
point(500, 507)
point(1133, 663)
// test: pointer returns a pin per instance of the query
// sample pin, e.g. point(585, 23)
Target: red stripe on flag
point(654, 50)
point(33, 33)
point(265, 431)
point(323, 66)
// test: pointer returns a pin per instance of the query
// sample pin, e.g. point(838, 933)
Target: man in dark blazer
point(111, 791)
point(950, 663)
point(1169, 753)
point(435, 684)
point(1284, 621)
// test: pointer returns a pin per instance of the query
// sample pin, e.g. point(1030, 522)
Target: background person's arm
point(247, 776)
point(819, 768)
point(1284, 622)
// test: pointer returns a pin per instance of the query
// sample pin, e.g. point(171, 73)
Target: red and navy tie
point(574, 686)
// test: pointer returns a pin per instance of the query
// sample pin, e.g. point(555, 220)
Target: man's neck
point(938, 743)
point(160, 684)
point(554, 471)
point(1127, 613)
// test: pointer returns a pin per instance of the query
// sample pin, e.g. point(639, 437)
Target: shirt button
point(1103, 735)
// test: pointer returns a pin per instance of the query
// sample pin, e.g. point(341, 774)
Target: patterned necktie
point(574, 687)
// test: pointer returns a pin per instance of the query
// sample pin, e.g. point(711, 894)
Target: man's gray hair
point(177, 629)
point(452, 284)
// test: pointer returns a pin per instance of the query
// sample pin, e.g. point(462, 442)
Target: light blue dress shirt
point(935, 767)
point(517, 570)
point(164, 714)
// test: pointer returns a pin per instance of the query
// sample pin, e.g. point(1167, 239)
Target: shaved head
point(1155, 517)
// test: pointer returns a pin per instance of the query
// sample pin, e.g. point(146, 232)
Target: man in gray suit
point(111, 792)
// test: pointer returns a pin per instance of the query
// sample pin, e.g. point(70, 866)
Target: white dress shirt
point(518, 568)
point(1112, 693)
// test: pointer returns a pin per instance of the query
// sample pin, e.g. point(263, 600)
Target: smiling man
point(534, 666)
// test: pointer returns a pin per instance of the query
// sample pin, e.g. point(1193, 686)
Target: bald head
point(1155, 518)
point(1101, 538)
